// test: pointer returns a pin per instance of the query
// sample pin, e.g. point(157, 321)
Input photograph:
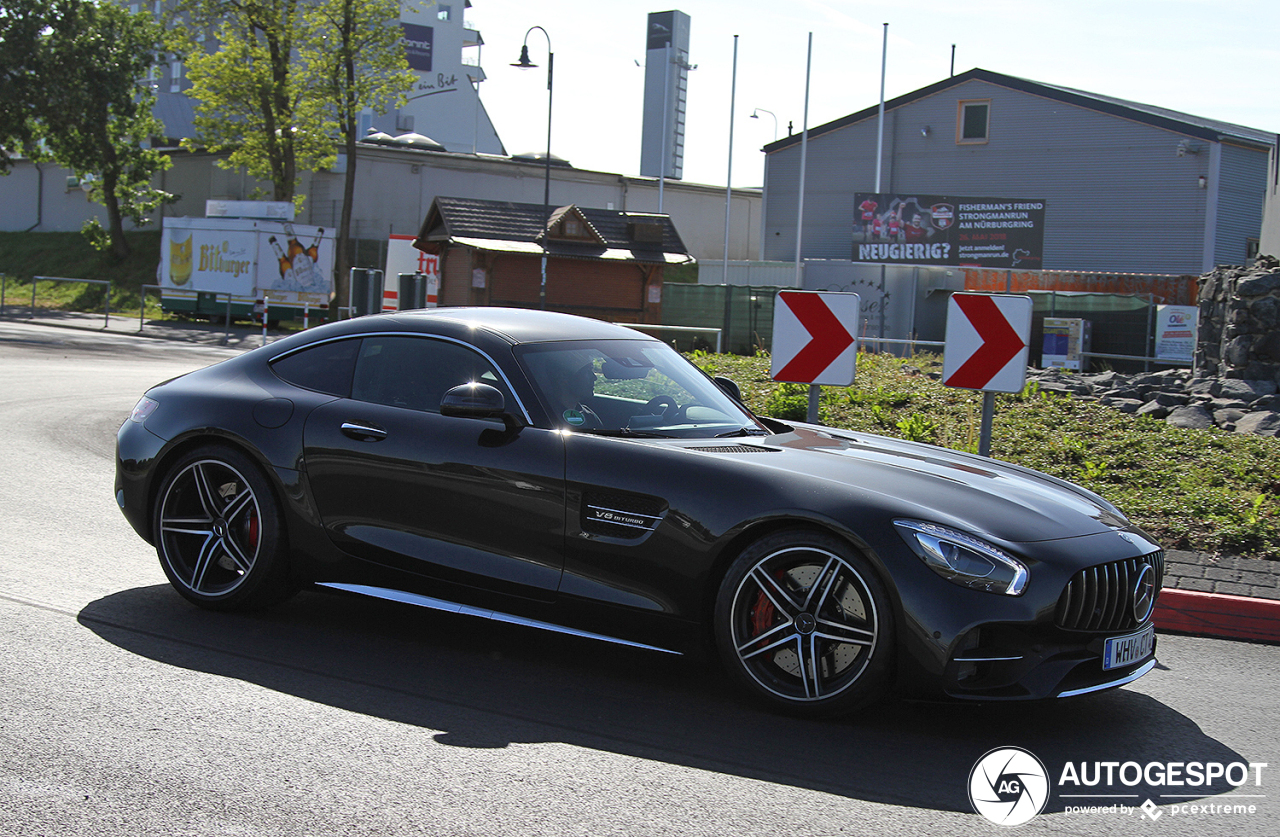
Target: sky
point(1218, 60)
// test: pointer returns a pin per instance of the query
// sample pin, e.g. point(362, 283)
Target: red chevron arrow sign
point(987, 342)
point(813, 337)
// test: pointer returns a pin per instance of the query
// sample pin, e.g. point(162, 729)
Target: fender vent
point(617, 514)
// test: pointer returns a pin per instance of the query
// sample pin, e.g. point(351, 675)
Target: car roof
point(515, 325)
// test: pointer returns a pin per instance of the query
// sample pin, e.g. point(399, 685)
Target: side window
point(324, 368)
point(416, 372)
point(973, 122)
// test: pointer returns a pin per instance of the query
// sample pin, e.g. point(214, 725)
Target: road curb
point(1218, 615)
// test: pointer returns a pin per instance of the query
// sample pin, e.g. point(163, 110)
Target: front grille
point(1101, 598)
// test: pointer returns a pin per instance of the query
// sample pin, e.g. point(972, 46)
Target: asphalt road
point(128, 712)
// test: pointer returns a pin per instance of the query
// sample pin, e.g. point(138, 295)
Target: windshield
point(631, 388)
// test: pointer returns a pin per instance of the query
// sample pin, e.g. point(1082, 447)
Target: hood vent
point(733, 449)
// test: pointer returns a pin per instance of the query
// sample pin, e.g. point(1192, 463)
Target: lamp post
point(525, 64)
point(755, 114)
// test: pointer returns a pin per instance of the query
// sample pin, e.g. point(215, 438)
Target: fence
point(1164, 288)
point(743, 314)
point(35, 280)
point(1123, 327)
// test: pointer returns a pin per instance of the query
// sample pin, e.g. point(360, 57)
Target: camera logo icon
point(1008, 786)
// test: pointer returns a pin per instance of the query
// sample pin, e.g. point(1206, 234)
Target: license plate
point(1122, 651)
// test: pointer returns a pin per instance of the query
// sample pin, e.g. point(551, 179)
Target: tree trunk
point(342, 261)
point(115, 224)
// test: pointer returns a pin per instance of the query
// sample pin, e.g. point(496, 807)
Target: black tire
point(219, 532)
point(803, 622)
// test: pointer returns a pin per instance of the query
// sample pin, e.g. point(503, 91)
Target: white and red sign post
point(988, 340)
point(813, 340)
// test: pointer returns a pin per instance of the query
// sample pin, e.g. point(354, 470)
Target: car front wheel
point(802, 620)
point(219, 531)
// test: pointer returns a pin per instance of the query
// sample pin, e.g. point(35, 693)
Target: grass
point(1203, 490)
point(68, 255)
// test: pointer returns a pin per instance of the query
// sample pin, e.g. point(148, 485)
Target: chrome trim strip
point(376, 432)
point(422, 336)
point(484, 613)
point(1127, 679)
point(984, 659)
point(653, 518)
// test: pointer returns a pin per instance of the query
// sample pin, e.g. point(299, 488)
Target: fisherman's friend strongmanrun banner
point(948, 230)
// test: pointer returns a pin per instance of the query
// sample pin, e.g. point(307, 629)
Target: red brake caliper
point(253, 530)
point(763, 613)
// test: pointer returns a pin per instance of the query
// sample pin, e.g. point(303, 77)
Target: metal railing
point(142, 302)
point(678, 330)
point(106, 301)
point(898, 342)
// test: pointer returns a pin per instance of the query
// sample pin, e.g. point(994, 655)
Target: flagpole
point(728, 178)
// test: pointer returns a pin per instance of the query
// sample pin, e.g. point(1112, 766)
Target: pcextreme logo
point(1010, 785)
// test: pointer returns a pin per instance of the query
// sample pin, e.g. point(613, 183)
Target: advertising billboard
point(948, 230)
point(418, 42)
point(242, 257)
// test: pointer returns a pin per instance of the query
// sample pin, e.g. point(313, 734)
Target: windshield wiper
point(743, 431)
point(624, 432)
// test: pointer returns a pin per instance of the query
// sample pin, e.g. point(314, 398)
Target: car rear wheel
point(802, 620)
point(219, 532)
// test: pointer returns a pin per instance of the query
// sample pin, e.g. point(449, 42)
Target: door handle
point(363, 432)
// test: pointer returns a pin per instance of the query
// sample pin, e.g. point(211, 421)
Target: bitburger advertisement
point(948, 230)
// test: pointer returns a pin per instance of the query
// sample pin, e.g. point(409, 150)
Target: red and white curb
point(1218, 615)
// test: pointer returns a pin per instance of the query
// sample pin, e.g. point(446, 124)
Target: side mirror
point(477, 401)
point(728, 387)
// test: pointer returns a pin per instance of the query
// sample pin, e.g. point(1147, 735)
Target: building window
point(444, 13)
point(972, 122)
point(175, 76)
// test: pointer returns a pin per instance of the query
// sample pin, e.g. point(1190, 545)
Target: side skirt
point(483, 613)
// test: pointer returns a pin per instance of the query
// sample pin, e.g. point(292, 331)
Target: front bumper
point(1009, 662)
point(1049, 642)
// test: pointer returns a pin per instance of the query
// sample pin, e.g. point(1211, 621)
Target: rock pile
point(1240, 322)
point(1174, 395)
point(1237, 362)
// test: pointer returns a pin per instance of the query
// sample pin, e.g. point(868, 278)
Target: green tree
point(85, 103)
point(21, 25)
point(253, 99)
point(354, 60)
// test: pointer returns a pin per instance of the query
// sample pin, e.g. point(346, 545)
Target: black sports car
point(572, 475)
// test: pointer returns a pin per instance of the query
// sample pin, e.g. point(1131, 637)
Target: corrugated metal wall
point(1242, 182)
point(1119, 196)
point(759, 274)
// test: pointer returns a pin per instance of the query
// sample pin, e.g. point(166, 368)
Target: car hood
point(997, 499)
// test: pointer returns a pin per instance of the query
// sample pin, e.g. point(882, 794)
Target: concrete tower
point(666, 85)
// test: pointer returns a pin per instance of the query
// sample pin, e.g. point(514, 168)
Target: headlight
point(963, 559)
point(142, 409)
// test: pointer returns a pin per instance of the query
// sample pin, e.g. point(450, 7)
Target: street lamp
point(755, 114)
point(525, 64)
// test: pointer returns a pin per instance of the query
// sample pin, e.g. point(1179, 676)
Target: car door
point(462, 500)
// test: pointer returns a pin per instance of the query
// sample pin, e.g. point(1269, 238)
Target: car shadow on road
point(484, 684)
